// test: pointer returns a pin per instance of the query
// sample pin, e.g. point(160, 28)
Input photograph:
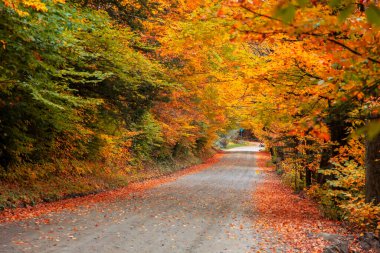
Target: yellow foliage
point(116, 150)
point(365, 215)
point(37, 5)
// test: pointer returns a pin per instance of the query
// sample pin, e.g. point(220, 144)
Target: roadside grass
point(235, 145)
point(24, 192)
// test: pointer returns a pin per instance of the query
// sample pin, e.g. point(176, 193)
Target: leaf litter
point(297, 221)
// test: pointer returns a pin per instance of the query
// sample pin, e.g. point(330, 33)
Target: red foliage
point(296, 220)
point(262, 161)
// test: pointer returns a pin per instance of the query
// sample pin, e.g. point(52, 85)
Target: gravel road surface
point(209, 211)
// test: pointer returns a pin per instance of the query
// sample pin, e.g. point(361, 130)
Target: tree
point(348, 72)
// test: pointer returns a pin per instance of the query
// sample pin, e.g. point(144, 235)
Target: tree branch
point(311, 34)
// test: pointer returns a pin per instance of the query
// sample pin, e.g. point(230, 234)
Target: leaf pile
point(296, 220)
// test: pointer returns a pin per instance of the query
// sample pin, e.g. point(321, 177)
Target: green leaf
point(373, 129)
point(286, 14)
point(302, 3)
point(334, 3)
point(345, 13)
point(373, 15)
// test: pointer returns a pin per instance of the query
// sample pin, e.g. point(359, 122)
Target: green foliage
point(286, 13)
point(68, 77)
point(36, 108)
point(373, 15)
point(147, 143)
point(327, 200)
point(346, 12)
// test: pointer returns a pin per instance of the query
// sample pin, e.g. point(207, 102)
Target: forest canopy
point(123, 84)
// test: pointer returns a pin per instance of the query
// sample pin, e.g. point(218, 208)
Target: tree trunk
point(372, 160)
point(272, 154)
point(280, 153)
point(339, 135)
point(324, 164)
point(308, 175)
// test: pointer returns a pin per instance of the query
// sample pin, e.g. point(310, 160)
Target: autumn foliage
point(109, 88)
point(313, 97)
point(297, 220)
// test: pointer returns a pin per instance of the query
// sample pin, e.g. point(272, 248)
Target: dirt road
point(210, 211)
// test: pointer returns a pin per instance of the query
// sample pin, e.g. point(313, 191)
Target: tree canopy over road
point(93, 92)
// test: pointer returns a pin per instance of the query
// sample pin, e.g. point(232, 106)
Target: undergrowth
point(35, 184)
